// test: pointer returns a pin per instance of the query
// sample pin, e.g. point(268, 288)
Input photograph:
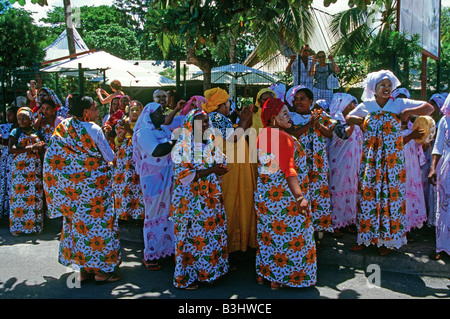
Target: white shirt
point(443, 126)
point(99, 138)
point(395, 106)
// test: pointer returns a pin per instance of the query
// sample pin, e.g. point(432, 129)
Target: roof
point(60, 47)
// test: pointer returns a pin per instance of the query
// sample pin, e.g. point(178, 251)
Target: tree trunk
point(69, 26)
point(204, 63)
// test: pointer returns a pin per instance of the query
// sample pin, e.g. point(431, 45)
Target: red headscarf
point(270, 108)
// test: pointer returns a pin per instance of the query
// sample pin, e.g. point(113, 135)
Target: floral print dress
point(26, 195)
point(129, 202)
point(77, 184)
point(382, 217)
point(198, 213)
point(315, 146)
point(287, 250)
point(5, 171)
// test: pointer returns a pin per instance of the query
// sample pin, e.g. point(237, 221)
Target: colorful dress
point(416, 210)
point(129, 201)
point(344, 159)
point(237, 186)
point(315, 146)
point(156, 177)
point(287, 250)
point(198, 214)
point(442, 147)
point(5, 171)
point(381, 219)
point(26, 214)
point(77, 184)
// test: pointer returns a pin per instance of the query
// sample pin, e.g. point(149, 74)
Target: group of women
point(287, 169)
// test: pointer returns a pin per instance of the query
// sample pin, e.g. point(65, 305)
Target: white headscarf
point(291, 94)
point(338, 105)
point(395, 93)
point(446, 107)
point(279, 89)
point(439, 99)
point(374, 78)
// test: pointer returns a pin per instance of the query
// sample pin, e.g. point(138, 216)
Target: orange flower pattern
point(285, 237)
point(200, 224)
point(315, 146)
point(26, 195)
point(382, 216)
point(129, 204)
point(82, 194)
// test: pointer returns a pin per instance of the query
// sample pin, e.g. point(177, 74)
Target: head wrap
point(144, 119)
point(52, 96)
point(374, 78)
point(291, 94)
point(214, 97)
point(324, 104)
point(446, 107)
point(260, 93)
point(399, 91)
point(279, 89)
point(195, 102)
point(270, 108)
point(26, 111)
point(338, 105)
point(439, 99)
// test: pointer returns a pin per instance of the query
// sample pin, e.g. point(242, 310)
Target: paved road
point(29, 269)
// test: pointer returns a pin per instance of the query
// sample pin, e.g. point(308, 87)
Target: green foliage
point(19, 43)
point(114, 39)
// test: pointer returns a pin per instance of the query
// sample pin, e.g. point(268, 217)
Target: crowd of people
point(210, 178)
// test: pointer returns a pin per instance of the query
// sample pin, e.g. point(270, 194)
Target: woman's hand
point(417, 134)
point(219, 169)
point(302, 207)
point(432, 176)
point(246, 113)
point(37, 146)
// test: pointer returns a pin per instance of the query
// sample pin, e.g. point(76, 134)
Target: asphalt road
point(29, 270)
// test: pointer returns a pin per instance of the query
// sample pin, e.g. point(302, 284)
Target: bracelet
point(300, 198)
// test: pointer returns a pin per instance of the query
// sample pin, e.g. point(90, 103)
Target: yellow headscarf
point(214, 97)
point(257, 123)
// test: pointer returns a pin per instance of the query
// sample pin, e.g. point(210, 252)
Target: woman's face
point(161, 98)
point(383, 89)
point(158, 117)
point(92, 112)
point(283, 119)
point(43, 95)
point(23, 120)
point(10, 116)
point(205, 122)
point(135, 111)
point(264, 97)
point(115, 105)
point(224, 108)
point(302, 103)
point(47, 111)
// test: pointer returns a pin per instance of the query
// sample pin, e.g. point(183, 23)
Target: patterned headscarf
point(399, 91)
point(446, 107)
point(214, 97)
point(439, 99)
point(373, 79)
point(338, 105)
point(26, 111)
point(270, 108)
point(279, 89)
point(195, 102)
point(52, 96)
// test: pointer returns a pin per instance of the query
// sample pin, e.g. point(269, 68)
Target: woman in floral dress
point(26, 206)
point(440, 176)
point(77, 184)
point(344, 152)
point(381, 219)
point(312, 128)
point(286, 255)
point(47, 119)
point(129, 202)
point(6, 160)
point(197, 207)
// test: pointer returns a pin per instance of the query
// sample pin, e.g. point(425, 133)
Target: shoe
point(275, 285)
point(151, 265)
point(111, 278)
point(260, 280)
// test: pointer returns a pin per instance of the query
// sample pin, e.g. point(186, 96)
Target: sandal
point(191, 287)
point(337, 233)
point(357, 247)
point(436, 256)
point(82, 279)
point(383, 251)
point(151, 265)
point(111, 278)
point(260, 280)
point(275, 285)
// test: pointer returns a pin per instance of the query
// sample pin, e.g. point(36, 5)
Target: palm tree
point(357, 27)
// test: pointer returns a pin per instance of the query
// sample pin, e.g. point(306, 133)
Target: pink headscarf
point(194, 102)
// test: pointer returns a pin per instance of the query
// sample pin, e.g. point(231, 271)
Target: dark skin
point(25, 124)
point(11, 118)
point(158, 119)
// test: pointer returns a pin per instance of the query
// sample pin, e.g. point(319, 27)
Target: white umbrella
point(115, 68)
point(238, 74)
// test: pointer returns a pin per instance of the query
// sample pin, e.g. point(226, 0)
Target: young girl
point(26, 206)
point(6, 160)
point(47, 119)
point(129, 203)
